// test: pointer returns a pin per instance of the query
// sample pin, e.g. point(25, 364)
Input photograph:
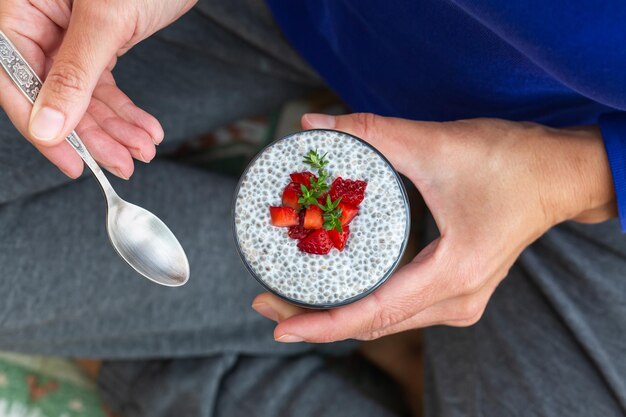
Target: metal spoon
point(138, 236)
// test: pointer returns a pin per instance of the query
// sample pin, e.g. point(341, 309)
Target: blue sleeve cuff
point(613, 127)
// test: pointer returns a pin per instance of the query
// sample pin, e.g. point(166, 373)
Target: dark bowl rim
point(357, 297)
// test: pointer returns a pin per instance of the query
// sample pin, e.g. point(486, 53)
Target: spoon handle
point(25, 78)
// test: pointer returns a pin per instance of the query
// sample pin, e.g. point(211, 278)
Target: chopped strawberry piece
point(351, 192)
point(302, 177)
point(283, 216)
point(306, 222)
point(299, 232)
point(348, 213)
point(339, 238)
point(291, 194)
point(313, 218)
point(318, 243)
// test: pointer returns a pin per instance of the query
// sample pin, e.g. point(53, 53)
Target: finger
point(110, 67)
point(30, 28)
point(464, 309)
point(109, 154)
point(411, 289)
point(64, 157)
point(183, 7)
point(461, 311)
point(18, 109)
point(108, 93)
point(188, 6)
point(58, 12)
point(94, 34)
point(395, 138)
point(137, 140)
point(273, 308)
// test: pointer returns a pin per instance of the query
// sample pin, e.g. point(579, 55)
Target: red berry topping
point(283, 216)
point(339, 238)
point(317, 243)
point(348, 213)
point(324, 209)
point(351, 192)
point(302, 177)
point(291, 194)
point(299, 232)
point(313, 218)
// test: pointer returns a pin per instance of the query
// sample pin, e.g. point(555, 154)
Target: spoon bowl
point(146, 243)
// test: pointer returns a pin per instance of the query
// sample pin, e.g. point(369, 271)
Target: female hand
point(73, 46)
point(493, 187)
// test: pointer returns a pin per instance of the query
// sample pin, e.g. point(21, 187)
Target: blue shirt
point(559, 62)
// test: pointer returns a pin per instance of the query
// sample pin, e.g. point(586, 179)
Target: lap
point(551, 340)
point(233, 385)
point(66, 292)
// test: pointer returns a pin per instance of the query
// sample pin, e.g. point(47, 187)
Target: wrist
point(580, 185)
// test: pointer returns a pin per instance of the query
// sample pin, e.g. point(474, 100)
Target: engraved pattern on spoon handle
point(25, 78)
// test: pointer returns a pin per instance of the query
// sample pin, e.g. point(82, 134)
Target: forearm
point(579, 185)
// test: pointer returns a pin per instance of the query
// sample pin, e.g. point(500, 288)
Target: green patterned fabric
point(45, 387)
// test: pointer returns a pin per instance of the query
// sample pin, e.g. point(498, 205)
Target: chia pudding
point(377, 235)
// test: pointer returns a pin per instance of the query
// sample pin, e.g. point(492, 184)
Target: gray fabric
point(550, 342)
point(552, 339)
point(233, 385)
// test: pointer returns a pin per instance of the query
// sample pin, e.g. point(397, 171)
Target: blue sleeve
point(582, 45)
point(613, 126)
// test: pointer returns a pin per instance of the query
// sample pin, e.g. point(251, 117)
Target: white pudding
point(378, 235)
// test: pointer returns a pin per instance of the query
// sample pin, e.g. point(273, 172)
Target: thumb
point(89, 44)
point(393, 137)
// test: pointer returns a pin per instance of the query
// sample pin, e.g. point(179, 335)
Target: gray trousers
point(551, 342)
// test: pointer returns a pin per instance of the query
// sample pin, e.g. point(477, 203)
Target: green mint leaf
point(318, 188)
point(315, 160)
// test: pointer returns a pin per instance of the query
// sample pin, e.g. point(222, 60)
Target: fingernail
point(120, 174)
point(320, 121)
point(46, 124)
point(266, 311)
point(289, 338)
point(66, 173)
point(143, 158)
point(157, 141)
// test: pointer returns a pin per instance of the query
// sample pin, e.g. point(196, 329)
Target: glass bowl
point(285, 290)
